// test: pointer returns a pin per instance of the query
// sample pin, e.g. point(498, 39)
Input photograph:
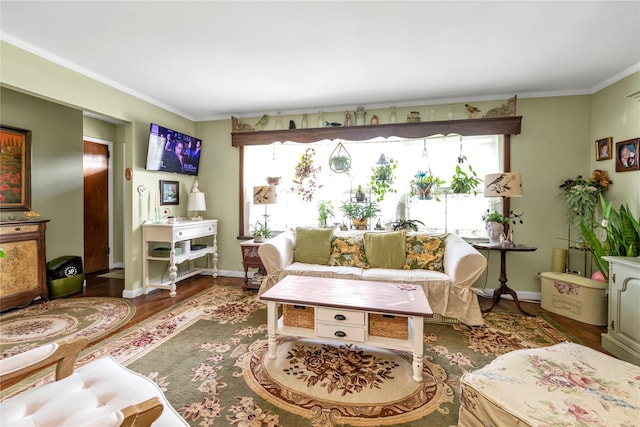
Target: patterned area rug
point(209, 356)
point(91, 317)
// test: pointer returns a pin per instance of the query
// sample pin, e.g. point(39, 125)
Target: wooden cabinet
point(23, 276)
point(251, 259)
point(623, 330)
point(178, 237)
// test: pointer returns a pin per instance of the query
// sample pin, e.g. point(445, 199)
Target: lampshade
point(196, 203)
point(265, 195)
point(504, 184)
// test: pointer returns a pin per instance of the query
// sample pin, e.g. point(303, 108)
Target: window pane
point(460, 214)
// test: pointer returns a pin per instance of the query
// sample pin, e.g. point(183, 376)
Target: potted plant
point(260, 232)
point(465, 182)
point(406, 224)
point(359, 213)
point(382, 178)
point(360, 195)
point(622, 233)
point(325, 211)
point(340, 163)
point(582, 196)
point(423, 185)
point(494, 224)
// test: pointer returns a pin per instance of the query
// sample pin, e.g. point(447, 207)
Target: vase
point(495, 232)
point(393, 118)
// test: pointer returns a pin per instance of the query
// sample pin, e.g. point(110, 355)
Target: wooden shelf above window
point(489, 126)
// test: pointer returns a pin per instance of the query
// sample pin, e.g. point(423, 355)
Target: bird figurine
point(262, 121)
point(472, 110)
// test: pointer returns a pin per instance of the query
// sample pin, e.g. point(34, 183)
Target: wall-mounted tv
point(171, 151)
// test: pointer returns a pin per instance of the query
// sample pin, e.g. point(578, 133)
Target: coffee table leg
point(272, 322)
point(418, 347)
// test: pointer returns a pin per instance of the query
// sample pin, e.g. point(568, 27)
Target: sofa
point(444, 265)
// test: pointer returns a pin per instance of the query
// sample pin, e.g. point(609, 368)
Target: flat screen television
point(171, 151)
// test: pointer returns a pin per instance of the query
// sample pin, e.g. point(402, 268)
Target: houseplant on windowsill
point(359, 213)
point(325, 211)
point(424, 184)
point(260, 232)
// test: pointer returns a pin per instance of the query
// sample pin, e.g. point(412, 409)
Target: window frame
point(505, 126)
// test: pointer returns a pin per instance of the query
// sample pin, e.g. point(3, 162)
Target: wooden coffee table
point(344, 311)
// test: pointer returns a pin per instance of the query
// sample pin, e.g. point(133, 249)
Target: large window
point(461, 214)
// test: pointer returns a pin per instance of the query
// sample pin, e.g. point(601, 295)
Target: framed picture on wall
point(15, 169)
point(603, 149)
point(627, 156)
point(169, 192)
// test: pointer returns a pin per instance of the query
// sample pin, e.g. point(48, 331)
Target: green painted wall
point(56, 167)
point(556, 143)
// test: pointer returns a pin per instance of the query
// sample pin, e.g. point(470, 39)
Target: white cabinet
point(178, 238)
point(623, 330)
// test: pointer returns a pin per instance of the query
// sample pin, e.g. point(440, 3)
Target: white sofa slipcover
point(450, 293)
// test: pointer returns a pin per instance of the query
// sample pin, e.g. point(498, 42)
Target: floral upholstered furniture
point(563, 385)
point(100, 393)
point(444, 265)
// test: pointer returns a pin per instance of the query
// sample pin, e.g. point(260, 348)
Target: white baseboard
point(127, 293)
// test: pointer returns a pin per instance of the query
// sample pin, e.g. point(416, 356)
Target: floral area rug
point(91, 317)
point(209, 355)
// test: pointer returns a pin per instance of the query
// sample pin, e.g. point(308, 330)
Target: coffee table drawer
point(340, 316)
point(343, 332)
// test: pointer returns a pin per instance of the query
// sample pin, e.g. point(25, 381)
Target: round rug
point(345, 384)
point(91, 317)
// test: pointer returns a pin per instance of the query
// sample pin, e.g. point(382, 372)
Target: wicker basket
point(298, 316)
point(384, 325)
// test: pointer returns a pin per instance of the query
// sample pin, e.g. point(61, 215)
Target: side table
point(251, 259)
point(504, 288)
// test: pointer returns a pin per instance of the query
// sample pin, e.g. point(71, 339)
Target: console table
point(504, 288)
point(179, 234)
point(23, 276)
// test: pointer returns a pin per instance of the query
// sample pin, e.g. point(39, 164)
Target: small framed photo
point(627, 156)
point(169, 192)
point(603, 149)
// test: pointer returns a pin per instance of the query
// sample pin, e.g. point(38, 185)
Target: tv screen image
point(171, 151)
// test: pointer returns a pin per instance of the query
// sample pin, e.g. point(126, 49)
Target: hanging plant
point(305, 176)
point(383, 177)
point(424, 184)
point(465, 182)
point(340, 160)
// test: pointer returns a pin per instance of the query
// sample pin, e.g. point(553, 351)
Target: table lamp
point(505, 185)
point(196, 202)
point(265, 195)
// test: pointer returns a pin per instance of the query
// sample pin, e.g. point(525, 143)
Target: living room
point(61, 107)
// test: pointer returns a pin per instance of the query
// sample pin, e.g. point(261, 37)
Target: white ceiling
point(212, 59)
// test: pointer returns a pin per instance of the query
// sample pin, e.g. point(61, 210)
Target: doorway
point(97, 220)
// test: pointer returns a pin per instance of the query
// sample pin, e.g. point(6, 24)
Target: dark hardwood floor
point(158, 300)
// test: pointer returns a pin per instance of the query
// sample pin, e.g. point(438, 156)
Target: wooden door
point(96, 207)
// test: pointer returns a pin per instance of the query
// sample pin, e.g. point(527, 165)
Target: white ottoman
point(565, 384)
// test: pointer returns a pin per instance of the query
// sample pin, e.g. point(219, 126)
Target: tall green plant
point(622, 235)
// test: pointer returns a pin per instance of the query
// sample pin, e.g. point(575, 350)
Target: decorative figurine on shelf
point(262, 121)
point(505, 110)
point(374, 120)
point(347, 118)
point(238, 126)
point(332, 124)
point(472, 111)
point(361, 115)
point(292, 124)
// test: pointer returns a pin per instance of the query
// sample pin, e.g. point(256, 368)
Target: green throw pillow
point(385, 249)
point(313, 245)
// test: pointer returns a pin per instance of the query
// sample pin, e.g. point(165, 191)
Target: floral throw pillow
point(424, 252)
point(348, 252)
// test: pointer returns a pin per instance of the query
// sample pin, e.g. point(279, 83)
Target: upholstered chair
point(99, 393)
